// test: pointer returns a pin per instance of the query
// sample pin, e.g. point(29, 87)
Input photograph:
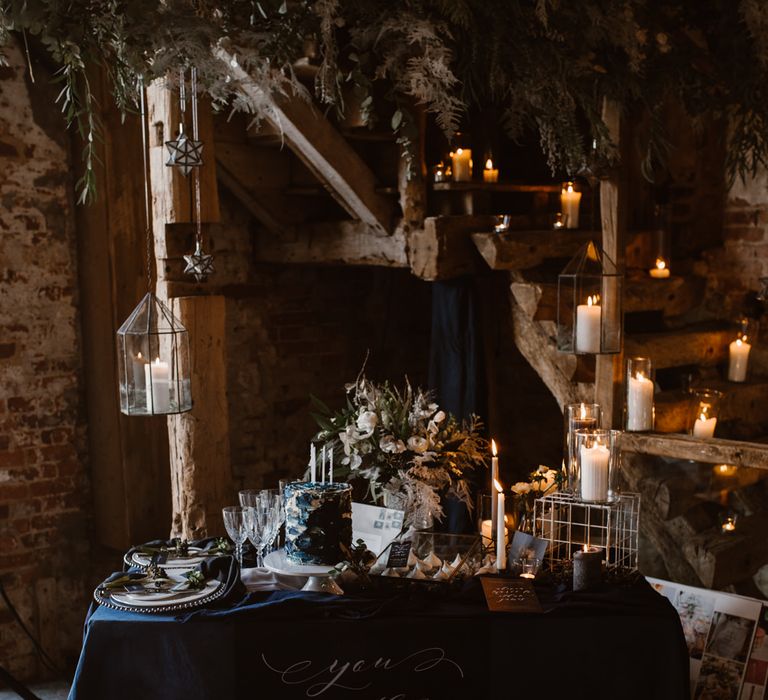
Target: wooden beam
point(609, 368)
point(704, 346)
point(323, 150)
point(713, 451)
point(201, 476)
point(522, 250)
point(443, 249)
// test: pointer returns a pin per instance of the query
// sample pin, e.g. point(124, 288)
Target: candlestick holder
point(638, 406)
point(570, 524)
point(703, 414)
point(589, 304)
point(577, 416)
point(597, 465)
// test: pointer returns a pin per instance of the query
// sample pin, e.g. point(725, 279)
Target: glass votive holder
point(638, 408)
point(597, 456)
point(570, 199)
point(439, 173)
point(529, 567)
point(705, 406)
point(502, 224)
point(728, 522)
point(577, 416)
point(738, 351)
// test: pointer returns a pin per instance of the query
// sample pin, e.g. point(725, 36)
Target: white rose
point(521, 487)
point(389, 444)
point(439, 417)
point(417, 443)
point(367, 421)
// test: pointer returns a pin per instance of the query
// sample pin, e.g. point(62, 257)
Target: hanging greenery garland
point(546, 64)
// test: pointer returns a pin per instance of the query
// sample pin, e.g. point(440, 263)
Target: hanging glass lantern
point(153, 361)
point(589, 304)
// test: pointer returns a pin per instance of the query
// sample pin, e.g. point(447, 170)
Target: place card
point(398, 555)
point(510, 595)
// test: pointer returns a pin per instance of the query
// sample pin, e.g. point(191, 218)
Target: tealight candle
point(157, 381)
point(569, 204)
point(588, 318)
point(661, 271)
point(461, 161)
point(490, 174)
point(729, 524)
point(738, 359)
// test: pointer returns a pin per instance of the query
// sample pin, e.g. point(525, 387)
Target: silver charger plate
point(161, 601)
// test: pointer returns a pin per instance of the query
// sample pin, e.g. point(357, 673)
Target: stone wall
point(43, 485)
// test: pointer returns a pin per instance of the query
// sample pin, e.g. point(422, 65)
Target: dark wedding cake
point(318, 519)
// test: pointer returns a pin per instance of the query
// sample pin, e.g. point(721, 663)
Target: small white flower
point(439, 417)
point(391, 445)
point(416, 443)
point(367, 422)
point(521, 487)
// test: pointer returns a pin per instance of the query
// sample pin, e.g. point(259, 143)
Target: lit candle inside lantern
point(588, 317)
point(640, 403)
point(157, 382)
point(725, 470)
point(594, 472)
point(661, 271)
point(501, 540)
point(488, 531)
point(461, 161)
point(494, 479)
point(729, 525)
point(704, 427)
point(569, 204)
point(139, 378)
point(490, 174)
point(738, 359)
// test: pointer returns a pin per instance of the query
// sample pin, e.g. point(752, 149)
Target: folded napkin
point(209, 546)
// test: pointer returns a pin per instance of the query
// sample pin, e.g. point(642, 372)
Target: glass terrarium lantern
point(153, 361)
point(589, 304)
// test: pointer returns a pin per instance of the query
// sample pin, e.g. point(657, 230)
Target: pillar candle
point(704, 427)
point(461, 161)
point(139, 374)
point(157, 380)
point(594, 472)
point(569, 204)
point(640, 403)
point(588, 317)
point(738, 360)
point(490, 174)
point(494, 480)
point(587, 568)
point(501, 544)
point(488, 532)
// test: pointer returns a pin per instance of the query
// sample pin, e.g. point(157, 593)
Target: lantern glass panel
point(153, 361)
point(589, 304)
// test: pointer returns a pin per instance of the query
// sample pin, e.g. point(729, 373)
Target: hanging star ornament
point(184, 153)
point(199, 265)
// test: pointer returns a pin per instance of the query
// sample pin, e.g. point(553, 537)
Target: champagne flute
point(235, 524)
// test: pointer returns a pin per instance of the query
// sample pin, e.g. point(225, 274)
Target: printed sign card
point(376, 526)
point(510, 595)
point(398, 555)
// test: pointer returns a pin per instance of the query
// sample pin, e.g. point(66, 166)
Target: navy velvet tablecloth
point(609, 643)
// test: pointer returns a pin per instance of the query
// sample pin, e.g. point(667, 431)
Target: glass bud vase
point(638, 407)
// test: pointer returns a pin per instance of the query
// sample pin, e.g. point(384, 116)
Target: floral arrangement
point(407, 450)
point(540, 482)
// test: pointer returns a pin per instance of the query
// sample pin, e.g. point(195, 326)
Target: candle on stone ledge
point(588, 318)
point(490, 174)
point(640, 403)
point(661, 271)
point(587, 568)
point(738, 359)
point(461, 164)
point(501, 544)
point(569, 204)
point(704, 427)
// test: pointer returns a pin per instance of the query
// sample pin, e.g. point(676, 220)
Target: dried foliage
point(545, 64)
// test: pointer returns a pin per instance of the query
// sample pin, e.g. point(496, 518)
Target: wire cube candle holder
point(569, 524)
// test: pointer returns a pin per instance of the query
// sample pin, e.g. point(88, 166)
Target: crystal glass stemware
point(260, 522)
point(249, 498)
point(235, 524)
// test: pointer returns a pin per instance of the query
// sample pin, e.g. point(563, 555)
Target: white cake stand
point(319, 578)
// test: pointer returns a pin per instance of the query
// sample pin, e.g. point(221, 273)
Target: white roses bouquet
point(403, 445)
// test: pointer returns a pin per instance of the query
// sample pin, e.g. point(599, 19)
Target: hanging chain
point(182, 99)
point(147, 193)
point(196, 173)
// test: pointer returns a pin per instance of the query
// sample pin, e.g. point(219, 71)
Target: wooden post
point(609, 368)
point(201, 476)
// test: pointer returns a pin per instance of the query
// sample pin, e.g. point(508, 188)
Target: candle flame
point(494, 449)
point(568, 187)
point(583, 411)
point(592, 300)
point(459, 151)
point(660, 264)
point(157, 360)
point(489, 164)
point(641, 377)
point(139, 356)
point(585, 548)
point(703, 417)
point(744, 338)
point(497, 486)
point(726, 469)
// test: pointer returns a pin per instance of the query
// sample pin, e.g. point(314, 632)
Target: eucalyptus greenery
point(543, 64)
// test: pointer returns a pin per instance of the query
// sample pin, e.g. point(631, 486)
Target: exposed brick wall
point(43, 485)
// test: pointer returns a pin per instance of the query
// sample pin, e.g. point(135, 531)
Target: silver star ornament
point(184, 153)
point(199, 265)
